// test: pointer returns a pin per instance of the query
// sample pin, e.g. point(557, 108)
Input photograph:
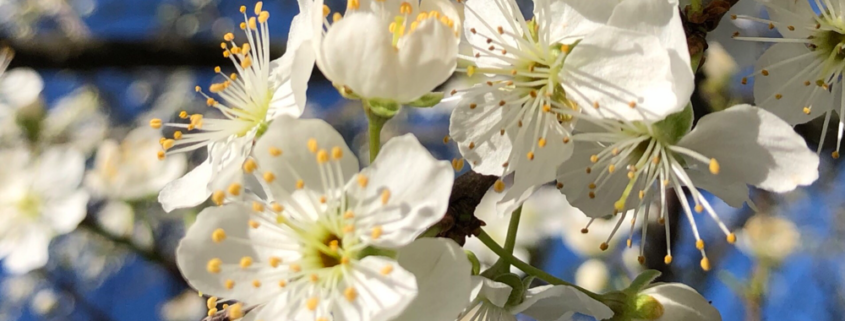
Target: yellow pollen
point(322, 156)
point(218, 235)
point(229, 284)
point(177, 135)
point(385, 196)
point(167, 144)
point(258, 207)
point(350, 294)
point(275, 261)
point(184, 114)
point(276, 207)
point(246, 262)
point(632, 104)
point(326, 11)
point(235, 189)
point(336, 17)
point(217, 69)
point(349, 214)
point(250, 166)
point(541, 142)
point(547, 108)
point(530, 155)
point(155, 123)
point(500, 30)
point(269, 177)
point(337, 153)
point(592, 186)
point(314, 278)
point(236, 311)
point(246, 62)
point(714, 166)
point(641, 194)
point(229, 36)
point(217, 197)
point(405, 8)
point(344, 260)
point(252, 24)
point(611, 168)
point(300, 184)
point(764, 72)
point(667, 259)
point(334, 245)
point(458, 164)
point(312, 145)
point(252, 223)
point(699, 208)
point(376, 232)
point(283, 283)
point(275, 151)
point(242, 25)
point(705, 264)
point(806, 110)
point(348, 229)
point(211, 303)
point(699, 244)
point(312, 302)
point(353, 4)
point(731, 238)
point(295, 267)
point(213, 265)
point(596, 104)
point(835, 154)
point(564, 48)
point(499, 186)
point(263, 17)
point(778, 96)
point(470, 70)
point(387, 269)
point(256, 283)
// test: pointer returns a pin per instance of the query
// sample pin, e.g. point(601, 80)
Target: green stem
point(527, 268)
point(513, 227)
point(374, 125)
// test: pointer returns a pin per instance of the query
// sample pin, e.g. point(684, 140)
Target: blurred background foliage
point(108, 66)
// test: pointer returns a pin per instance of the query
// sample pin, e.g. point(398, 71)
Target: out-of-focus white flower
point(117, 217)
point(260, 91)
point(799, 78)
point(592, 275)
point(619, 166)
point(719, 65)
point(44, 301)
point(391, 50)
point(676, 301)
point(130, 170)
point(76, 120)
point(40, 198)
point(769, 238)
point(188, 306)
point(564, 64)
point(19, 88)
point(296, 253)
point(542, 303)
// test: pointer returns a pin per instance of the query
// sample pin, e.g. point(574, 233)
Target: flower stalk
point(375, 123)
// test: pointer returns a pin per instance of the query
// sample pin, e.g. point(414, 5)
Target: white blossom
point(260, 91)
point(77, 120)
point(568, 62)
point(769, 238)
point(297, 253)
point(39, 198)
point(680, 302)
point(392, 49)
point(618, 166)
point(19, 87)
point(799, 77)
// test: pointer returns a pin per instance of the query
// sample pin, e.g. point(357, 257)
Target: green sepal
point(473, 259)
point(646, 307)
point(671, 129)
point(428, 100)
point(374, 251)
point(383, 108)
point(642, 281)
point(517, 288)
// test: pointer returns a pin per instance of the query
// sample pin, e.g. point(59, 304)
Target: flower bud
point(674, 301)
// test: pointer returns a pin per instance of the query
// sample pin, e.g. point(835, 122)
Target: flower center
point(30, 205)
point(828, 41)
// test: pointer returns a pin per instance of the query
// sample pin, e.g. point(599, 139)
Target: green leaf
point(427, 100)
point(383, 108)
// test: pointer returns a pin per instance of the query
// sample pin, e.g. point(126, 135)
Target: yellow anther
point(471, 145)
point(177, 135)
point(263, 17)
point(348, 229)
point(322, 156)
point(611, 168)
point(699, 208)
point(699, 244)
point(275, 207)
point(213, 265)
point(300, 184)
point(363, 180)
point(243, 9)
point(211, 303)
point(499, 186)
point(258, 207)
point(275, 151)
point(269, 177)
point(405, 8)
point(253, 223)
point(764, 72)
point(350, 294)
point(667, 259)
point(541, 142)
point(344, 260)
point(714, 166)
point(353, 5)
point(336, 17)
point(242, 25)
point(778, 96)
point(641, 194)
point(530, 155)
point(500, 30)
point(594, 158)
point(731, 238)
point(387, 269)
point(217, 197)
point(155, 123)
point(806, 110)
point(217, 69)
point(591, 194)
point(234, 189)
point(225, 54)
point(376, 232)
point(311, 304)
point(326, 11)
point(314, 278)
point(565, 48)
point(592, 186)
point(218, 235)
point(184, 114)
point(312, 145)
point(446, 138)
point(252, 24)
point(275, 261)
point(250, 166)
point(246, 262)
point(245, 48)
point(470, 70)
point(705, 264)
point(197, 89)
point(385, 196)
point(348, 214)
point(161, 155)
point(295, 267)
point(246, 62)
point(283, 283)
point(337, 153)
point(434, 14)
point(256, 283)
point(258, 6)
point(229, 36)
point(458, 164)
point(835, 154)
point(236, 311)
point(603, 246)
point(334, 245)
point(167, 144)
point(229, 284)
point(323, 199)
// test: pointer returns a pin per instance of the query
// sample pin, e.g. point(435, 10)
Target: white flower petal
point(798, 14)
point(662, 19)
point(20, 87)
point(575, 179)
point(292, 71)
point(408, 191)
point(755, 146)
point(789, 80)
point(681, 302)
point(380, 297)
point(291, 137)
point(613, 74)
point(569, 20)
point(427, 56)
point(484, 17)
point(64, 214)
point(30, 250)
point(479, 127)
point(551, 302)
point(728, 189)
point(495, 292)
point(197, 248)
point(59, 171)
point(189, 190)
point(443, 277)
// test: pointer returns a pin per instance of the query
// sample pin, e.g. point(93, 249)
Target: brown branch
point(698, 24)
point(460, 220)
